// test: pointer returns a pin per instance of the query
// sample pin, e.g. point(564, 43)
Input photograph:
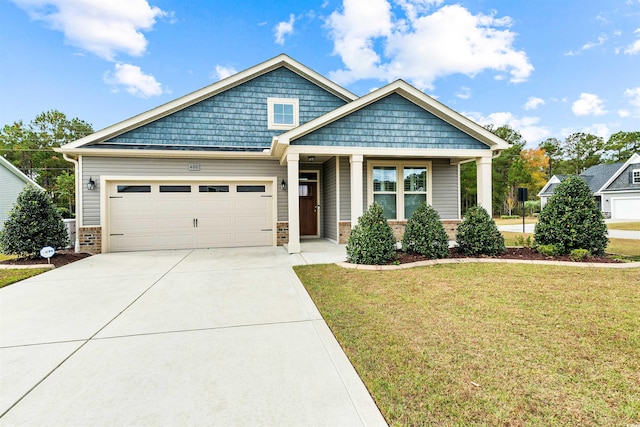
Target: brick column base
point(90, 239)
point(282, 235)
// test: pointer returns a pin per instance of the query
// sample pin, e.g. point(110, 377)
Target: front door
point(308, 192)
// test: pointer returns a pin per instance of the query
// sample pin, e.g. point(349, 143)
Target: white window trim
point(635, 176)
point(289, 101)
point(399, 165)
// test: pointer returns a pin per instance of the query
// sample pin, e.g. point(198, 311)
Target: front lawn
point(489, 344)
point(9, 275)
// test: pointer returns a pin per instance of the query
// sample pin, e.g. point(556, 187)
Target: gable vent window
point(282, 113)
point(635, 176)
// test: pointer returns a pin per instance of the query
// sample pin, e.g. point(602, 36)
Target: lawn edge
point(486, 260)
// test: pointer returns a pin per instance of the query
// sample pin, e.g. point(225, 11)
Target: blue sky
point(548, 68)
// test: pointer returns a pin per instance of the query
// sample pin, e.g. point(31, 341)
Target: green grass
point(4, 257)
point(9, 275)
point(515, 221)
point(633, 226)
point(489, 344)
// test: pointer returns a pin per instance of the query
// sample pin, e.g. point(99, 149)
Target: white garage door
point(627, 208)
point(167, 215)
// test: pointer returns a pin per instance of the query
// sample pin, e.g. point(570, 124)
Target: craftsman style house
point(269, 156)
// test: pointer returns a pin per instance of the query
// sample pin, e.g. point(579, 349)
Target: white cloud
point(624, 113)
point(222, 72)
point(283, 29)
point(591, 45)
point(533, 103)
point(419, 47)
point(588, 105)
point(634, 96)
point(527, 125)
point(134, 81)
point(464, 93)
point(634, 47)
point(598, 129)
point(98, 26)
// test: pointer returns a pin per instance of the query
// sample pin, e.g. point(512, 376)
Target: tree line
point(29, 146)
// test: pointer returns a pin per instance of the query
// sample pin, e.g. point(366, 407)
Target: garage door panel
point(225, 217)
point(625, 208)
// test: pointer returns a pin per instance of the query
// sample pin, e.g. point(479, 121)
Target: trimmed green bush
point(425, 235)
point(549, 250)
point(33, 224)
point(571, 219)
point(579, 254)
point(478, 234)
point(371, 240)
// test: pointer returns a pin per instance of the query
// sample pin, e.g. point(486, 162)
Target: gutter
point(78, 193)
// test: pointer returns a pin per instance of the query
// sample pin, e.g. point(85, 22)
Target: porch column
point(356, 188)
point(483, 167)
point(293, 170)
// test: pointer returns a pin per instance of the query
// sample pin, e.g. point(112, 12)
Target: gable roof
point(632, 160)
point(596, 176)
point(17, 172)
point(208, 92)
point(409, 92)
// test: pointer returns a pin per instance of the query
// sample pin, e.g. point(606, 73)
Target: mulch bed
point(61, 258)
point(512, 253)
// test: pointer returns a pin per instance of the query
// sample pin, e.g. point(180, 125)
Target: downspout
point(78, 192)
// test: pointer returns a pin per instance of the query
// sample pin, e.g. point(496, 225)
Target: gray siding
point(96, 166)
point(328, 209)
point(237, 117)
point(11, 186)
point(623, 182)
point(345, 189)
point(445, 189)
point(392, 121)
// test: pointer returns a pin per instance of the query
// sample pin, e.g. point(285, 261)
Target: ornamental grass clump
point(572, 220)
point(425, 235)
point(371, 240)
point(33, 224)
point(478, 234)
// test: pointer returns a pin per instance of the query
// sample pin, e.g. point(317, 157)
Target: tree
point(371, 240)
point(64, 193)
point(622, 145)
point(30, 147)
point(478, 234)
point(583, 150)
point(33, 224)
point(571, 219)
point(553, 151)
point(424, 234)
point(508, 169)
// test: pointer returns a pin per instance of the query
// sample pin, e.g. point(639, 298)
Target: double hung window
point(399, 201)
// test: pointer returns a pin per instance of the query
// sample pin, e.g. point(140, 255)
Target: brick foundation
point(450, 226)
point(282, 235)
point(90, 239)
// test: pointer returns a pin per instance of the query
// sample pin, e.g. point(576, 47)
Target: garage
point(186, 215)
point(625, 208)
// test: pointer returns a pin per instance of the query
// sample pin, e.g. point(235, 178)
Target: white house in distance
point(12, 181)
point(616, 188)
point(269, 156)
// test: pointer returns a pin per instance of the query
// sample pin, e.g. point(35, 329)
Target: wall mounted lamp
point(283, 185)
point(91, 184)
point(311, 158)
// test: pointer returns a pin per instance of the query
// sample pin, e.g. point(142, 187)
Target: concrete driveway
point(204, 337)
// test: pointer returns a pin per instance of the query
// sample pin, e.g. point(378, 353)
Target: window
point(635, 176)
point(399, 201)
point(175, 189)
point(250, 189)
point(213, 189)
point(282, 113)
point(134, 189)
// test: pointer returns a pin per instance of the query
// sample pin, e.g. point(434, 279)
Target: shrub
point(549, 250)
point(33, 224)
point(579, 254)
point(425, 235)
point(572, 220)
point(522, 241)
point(478, 234)
point(371, 240)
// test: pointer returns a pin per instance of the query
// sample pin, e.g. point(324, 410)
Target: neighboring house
point(269, 156)
point(12, 181)
point(616, 188)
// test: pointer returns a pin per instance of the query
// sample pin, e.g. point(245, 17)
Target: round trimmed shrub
point(425, 235)
point(33, 223)
point(478, 234)
point(572, 220)
point(371, 240)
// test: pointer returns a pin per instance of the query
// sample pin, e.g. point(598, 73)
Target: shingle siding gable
point(623, 181)
point(236, 117)
point(392, 121)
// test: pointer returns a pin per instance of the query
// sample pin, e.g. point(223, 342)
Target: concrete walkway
point(204, 337)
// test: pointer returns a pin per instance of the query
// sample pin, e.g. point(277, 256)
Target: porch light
point(283, 185)
point(91, 184)
point(311, 158)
